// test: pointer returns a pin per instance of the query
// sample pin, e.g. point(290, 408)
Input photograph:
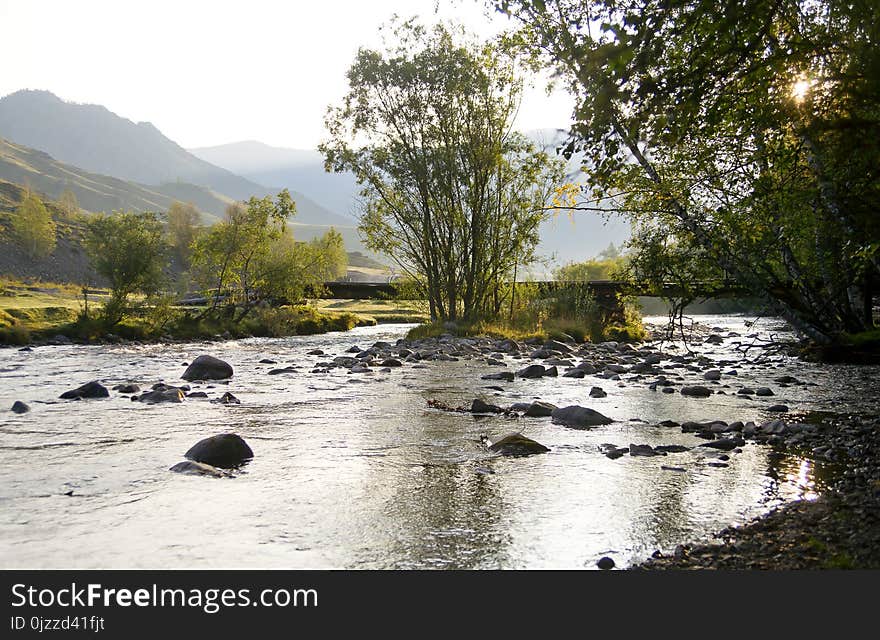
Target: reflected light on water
point(801, 473)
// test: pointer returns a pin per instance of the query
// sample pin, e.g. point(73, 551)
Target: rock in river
point(532, 371)
point(224, 450)
point(163, 394)
point(579, 417)
point(515, 444)
point(540, 409)
point(207, 368)
point(92, 389)
point(479, 406)
point(501, 375)
point(191, 468)
point(227, 398)
point(724, 444)
point(696, 391)
point(20, 407)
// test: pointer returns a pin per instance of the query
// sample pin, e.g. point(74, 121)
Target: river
point(355, 471)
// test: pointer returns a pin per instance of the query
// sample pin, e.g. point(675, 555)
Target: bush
point(15, 334)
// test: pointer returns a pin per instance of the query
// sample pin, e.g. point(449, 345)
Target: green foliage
point(593, 269)
point(33, 227)
point(68, 205)
point(252, 257)
point(129, 249)
point(744, 135)
point(451, 194)
point(184, 221)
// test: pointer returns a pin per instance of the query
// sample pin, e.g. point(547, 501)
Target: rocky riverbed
point(371, 451)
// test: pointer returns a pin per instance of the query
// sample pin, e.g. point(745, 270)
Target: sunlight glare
point(800, 89)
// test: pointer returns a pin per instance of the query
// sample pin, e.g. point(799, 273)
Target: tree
point(183, 226)
point(291, 268)
point(68, 204)
point(747, 130)
point(33, 227)
point(225, 258)
point(130, 250)
point(451, 193)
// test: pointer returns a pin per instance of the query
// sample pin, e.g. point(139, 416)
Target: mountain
point(300, 169)
point(97, 140)
point(563, 238)
point(100, 142)
point(95, 192)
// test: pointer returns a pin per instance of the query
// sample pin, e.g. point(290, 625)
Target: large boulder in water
point(225, 450)
point(516, 444)
point(207, 368)
point(579, 417)
point(93, 389)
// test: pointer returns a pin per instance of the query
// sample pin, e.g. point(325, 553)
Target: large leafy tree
point(451, 193)
point(745, 131)
point(130, 251)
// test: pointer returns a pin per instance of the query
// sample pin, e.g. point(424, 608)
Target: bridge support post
point(611, 307)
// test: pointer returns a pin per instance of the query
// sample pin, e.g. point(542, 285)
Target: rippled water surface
point(355, 471)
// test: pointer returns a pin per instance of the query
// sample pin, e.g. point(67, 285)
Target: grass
point(552, 328)
point(383, 311)
point(551, 322)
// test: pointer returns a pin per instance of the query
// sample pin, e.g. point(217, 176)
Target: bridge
point(608, 294)
point(601, 289)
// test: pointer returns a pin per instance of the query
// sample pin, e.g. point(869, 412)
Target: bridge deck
point(601, 288)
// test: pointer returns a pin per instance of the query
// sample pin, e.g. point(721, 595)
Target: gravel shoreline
point(839, 530)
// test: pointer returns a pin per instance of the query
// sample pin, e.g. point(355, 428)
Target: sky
point(213, 72)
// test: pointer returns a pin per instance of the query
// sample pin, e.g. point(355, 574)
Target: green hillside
point(94, 192)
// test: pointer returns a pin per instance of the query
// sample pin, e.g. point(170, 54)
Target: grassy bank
point(631, 330)
point(32, 312)
point(382, 311)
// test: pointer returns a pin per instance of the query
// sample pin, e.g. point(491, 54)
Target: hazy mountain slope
point(300, 169)
point(95, 192)
point(91, 137)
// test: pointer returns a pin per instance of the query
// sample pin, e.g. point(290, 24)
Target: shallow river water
point(355, 471)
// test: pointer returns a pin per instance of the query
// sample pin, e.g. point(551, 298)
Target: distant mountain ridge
point(93, 139)
point(94, 192)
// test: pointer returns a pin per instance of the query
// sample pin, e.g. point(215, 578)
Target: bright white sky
point(208, 72)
